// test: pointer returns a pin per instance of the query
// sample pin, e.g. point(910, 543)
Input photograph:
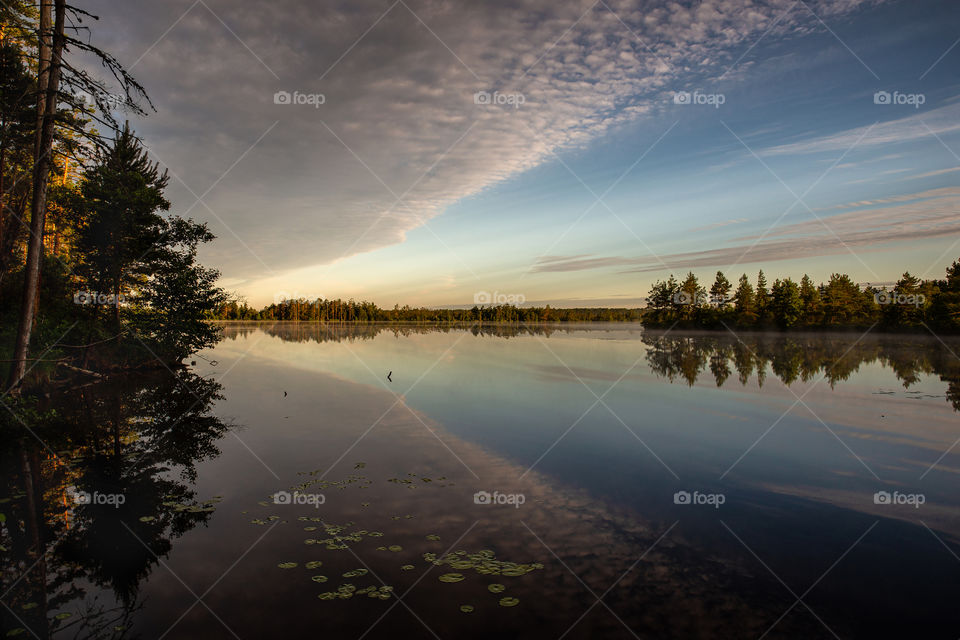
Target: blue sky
point(400, 189)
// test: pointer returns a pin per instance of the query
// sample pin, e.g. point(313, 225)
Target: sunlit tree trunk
point(51, 51)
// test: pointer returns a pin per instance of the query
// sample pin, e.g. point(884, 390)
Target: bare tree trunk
point(51, 52)
point(3, 193)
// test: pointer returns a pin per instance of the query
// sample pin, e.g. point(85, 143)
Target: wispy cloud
point(930, 174)
point(941, 121)
point(930, 214)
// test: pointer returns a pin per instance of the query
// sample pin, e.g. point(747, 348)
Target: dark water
point(787, 447)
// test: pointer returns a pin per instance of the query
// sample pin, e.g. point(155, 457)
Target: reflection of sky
point(517, 397)
point(598, 500)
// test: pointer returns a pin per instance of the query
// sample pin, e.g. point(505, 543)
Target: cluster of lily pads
point(339, 536)
point(321, 483)
point(484, 563)
point(410, 481)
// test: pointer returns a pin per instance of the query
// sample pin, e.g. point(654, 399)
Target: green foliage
point(720, 291)
point(911, 304)
point(785, 303)
point(744, 302)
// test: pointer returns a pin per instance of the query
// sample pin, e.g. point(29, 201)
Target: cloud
point(940, 121)
point(930, 214)
point(930, 174)
point(399, 138)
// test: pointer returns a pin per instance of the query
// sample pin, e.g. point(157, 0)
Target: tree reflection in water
point(792, 357)
point(96, 486)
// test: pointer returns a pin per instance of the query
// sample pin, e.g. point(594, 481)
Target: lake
point(581, 481)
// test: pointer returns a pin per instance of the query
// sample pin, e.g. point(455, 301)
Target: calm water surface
point(642, 484)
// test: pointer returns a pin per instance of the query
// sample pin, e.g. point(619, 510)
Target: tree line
point(350, 311)
point(910, 304)
point(94, 273)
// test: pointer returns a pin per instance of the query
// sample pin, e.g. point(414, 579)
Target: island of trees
point(911, 304)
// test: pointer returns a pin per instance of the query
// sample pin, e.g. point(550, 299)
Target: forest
point(320, 310)
point(911, 304)
point(95, 274)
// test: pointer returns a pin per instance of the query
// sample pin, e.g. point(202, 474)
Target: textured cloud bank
point(399, 137)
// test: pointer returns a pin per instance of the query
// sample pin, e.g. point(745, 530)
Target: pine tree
point(123, 195)
point(692, 297)
point(744, 302)
point(720, 291)
point(762, 297)
point(810, 299)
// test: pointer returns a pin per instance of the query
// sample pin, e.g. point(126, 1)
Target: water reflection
point(97, 486)
point(790, 357)
point(479, 411)
point(332, 332)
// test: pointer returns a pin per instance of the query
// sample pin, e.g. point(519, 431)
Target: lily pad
point(319, 578)
point(287, 565)
point(395, 548)
point(496, 588)
point(407, 567)
point(509, 602)
point(147, 519)
point(313, 564)
point(466, 608)
point(356, 573)
point(451, 577)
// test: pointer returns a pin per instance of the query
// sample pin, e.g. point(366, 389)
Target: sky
point(437, 153)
